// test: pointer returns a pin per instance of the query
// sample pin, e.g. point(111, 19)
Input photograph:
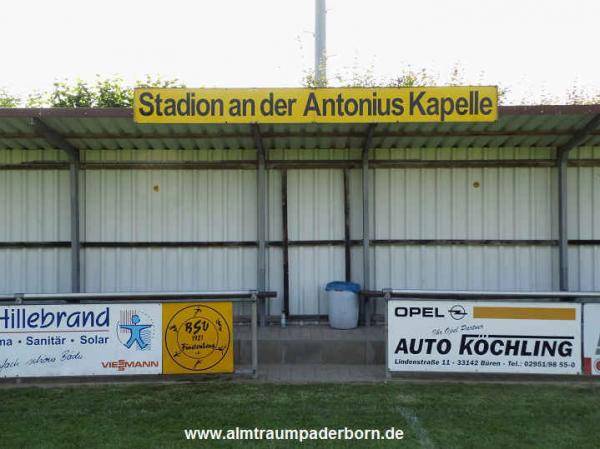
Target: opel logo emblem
point(457, 312)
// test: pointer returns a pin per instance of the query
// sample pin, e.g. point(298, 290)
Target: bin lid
point(343, 286)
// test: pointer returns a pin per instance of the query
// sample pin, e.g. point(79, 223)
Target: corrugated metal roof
point(114, 129)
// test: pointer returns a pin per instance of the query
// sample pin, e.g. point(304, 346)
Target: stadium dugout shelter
point(94, 202)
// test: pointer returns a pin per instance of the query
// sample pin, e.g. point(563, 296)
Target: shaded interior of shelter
point(175, 207)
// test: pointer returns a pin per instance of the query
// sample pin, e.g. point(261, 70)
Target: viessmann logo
point(122, 365)
point(135, 330)
point(456, 312)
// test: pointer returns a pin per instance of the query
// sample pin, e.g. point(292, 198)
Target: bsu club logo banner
point(198, 338)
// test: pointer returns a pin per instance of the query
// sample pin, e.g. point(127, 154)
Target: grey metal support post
point(75, 237)
point(261, 191)
point(387, 296)
point(562, 154)
point(58, 141)
point(320, 42)
point(365, 216)
point(254, 326)
point(563, 239)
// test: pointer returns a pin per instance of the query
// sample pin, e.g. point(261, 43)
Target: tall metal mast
point(320, 41)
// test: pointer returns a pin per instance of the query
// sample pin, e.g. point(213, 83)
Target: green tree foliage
point(366, 78)
point(102, 93)
point(67, 95)
point(7, 100)
point(114, 92)
point(411, 78)
point(37, 99)
point(357, 77)
point(578, 95)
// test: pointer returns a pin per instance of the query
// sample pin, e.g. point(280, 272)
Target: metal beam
point(481, 294)
point(347, 236)
point(365, 215)
point(562, 154)
point(299, 164)
point(563, 244)
point(285, 246)
point(292, 243)
point(75, 237)
point(581, 135)
point(261, 192)
point(56, 140)
point(164, 296)
point(127, 113)
point(302, 134)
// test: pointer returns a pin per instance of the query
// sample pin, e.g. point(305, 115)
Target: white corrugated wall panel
point(274, 206)
point(356, 203)
point(585, 153)
point(45, 270)
point(275, 280)
point(274, 233)
point(315, 204)
point(215, 205)
point(430, 204)
point(170, 205)
point(584, 203)
point(584, 268)
point(184, 269)
point(132, 155)
point(35, 208)
point(314, 154)
point(163, 206)
point(315, 212)
point(34, 205)
point(510, 203)
point(466, 267)
point(584, 224)
point(170, 269)
point(311, 268)
point(462, 154)
point(21, 156)
point(423, 204)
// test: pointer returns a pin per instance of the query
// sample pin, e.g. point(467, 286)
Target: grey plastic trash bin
point(343, 304)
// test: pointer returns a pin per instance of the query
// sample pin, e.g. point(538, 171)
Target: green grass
point(432, 415)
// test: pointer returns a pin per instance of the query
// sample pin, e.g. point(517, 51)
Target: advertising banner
point(322, 105)
point(198, 338)
point(80, 340)
point(490, 337)
point(591, 339)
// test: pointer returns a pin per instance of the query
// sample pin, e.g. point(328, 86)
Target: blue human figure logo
point(136, 332)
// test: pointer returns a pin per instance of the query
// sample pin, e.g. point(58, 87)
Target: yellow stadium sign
point(327, 105)
point(197, 338)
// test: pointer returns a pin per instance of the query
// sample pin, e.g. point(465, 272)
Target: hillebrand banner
point(323, 105)
point(489, 337)
point(80, 340)
point(115, 339)
point(591, 339)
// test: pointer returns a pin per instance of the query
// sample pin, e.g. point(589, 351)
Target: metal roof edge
point(561, 109)
point(66, 112)
point(550, 109)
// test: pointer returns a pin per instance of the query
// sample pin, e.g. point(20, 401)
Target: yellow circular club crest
point(197, 337)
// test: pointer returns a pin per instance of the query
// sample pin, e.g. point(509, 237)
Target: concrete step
point(312, 345)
